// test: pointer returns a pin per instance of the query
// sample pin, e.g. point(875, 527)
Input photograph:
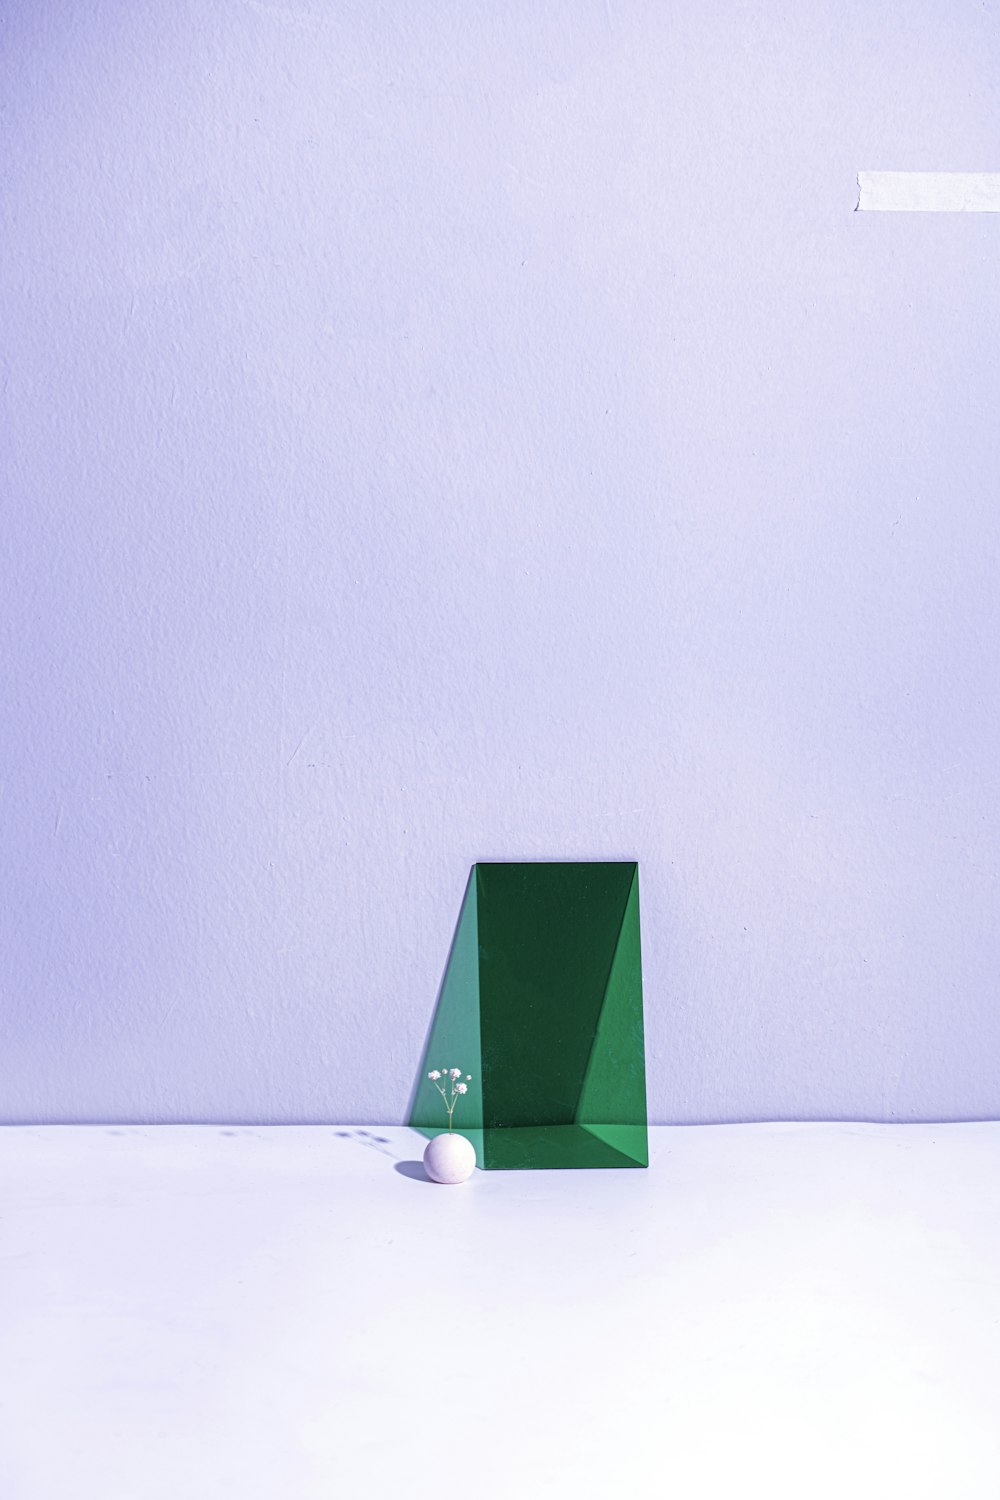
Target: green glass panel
point(543, 990)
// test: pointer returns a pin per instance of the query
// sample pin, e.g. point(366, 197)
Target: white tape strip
point(930, 192)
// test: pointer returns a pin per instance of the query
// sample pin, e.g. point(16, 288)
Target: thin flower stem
point(450, 1098)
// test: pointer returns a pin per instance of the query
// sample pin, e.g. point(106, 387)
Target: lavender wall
point(450, 431)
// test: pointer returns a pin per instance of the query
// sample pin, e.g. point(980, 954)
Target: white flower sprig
point(446, 1081)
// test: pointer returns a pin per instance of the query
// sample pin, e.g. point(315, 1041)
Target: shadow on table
point(380, 1143)
point(367, 1138)
point(412, 1169)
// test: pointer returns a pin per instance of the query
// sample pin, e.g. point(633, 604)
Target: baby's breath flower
point(441, 1078)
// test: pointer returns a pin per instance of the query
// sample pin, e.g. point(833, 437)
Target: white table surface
point(229, 1313)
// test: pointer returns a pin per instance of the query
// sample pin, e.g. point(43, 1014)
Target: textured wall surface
point(438, 432)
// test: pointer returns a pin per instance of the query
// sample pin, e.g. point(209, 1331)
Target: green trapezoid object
point(542, 1003)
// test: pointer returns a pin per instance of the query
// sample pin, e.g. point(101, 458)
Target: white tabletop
point(230, 1313)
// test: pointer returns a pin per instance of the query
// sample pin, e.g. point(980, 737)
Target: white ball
point(449, 1158)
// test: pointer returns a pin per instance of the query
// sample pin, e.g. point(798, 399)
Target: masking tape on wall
point(930, 192)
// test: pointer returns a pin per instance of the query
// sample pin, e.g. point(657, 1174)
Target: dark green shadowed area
point(547, 956)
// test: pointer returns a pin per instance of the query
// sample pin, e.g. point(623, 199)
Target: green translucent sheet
point(542, 1003)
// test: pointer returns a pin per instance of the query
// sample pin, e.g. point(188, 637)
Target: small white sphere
point(449, 1158)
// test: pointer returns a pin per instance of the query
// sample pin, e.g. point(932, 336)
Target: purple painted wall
point(448, 431)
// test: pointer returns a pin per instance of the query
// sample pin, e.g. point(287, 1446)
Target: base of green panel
point(553, 1147)
point(558, 1147)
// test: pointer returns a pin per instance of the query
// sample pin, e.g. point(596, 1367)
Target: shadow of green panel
point(543, 991)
